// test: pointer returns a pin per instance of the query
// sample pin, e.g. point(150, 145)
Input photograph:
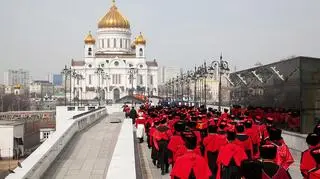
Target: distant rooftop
point(41, 81)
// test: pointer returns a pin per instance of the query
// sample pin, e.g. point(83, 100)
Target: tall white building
point(17, 77)
point(167, 73)
point(116, 54)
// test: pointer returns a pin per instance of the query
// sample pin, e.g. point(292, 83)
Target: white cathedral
point(114, 66)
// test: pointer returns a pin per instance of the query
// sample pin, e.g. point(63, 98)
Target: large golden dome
point(140, 40)
point(114, 19)
point(89, 39)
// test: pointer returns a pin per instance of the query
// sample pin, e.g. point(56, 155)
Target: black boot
point(162, 172)
point(154, 162)
point(158, 165)
point(167, 169)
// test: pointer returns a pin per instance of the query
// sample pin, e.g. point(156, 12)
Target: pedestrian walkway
point(89, 153)
point(150, 171)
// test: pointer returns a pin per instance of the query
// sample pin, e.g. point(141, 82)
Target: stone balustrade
point(34, 166)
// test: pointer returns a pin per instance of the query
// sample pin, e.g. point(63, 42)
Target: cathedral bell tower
point(140, 43)
point(89, 44)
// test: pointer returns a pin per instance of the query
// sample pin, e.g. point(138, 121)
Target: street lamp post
point(194, 76)
point(107, 78)
point(66, 72)
point(99, 72)
point(74, 76)
point(222, 66)
point(203, 72)
point(132, 71)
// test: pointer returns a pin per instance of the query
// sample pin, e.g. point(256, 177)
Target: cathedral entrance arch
point(116, 94)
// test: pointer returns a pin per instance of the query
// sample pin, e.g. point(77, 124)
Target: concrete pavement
point(89, 153)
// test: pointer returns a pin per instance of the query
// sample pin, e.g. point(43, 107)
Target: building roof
point(41, 81)
point(10, 123)
point(114, 19)
point(153, 63)
point(77, 63)
point(275, 63)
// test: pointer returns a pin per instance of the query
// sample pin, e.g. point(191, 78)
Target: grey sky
point(43, 35)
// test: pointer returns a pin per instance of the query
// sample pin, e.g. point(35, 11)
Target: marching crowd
point(201, 143)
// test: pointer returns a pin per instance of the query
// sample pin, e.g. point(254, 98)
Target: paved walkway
point(152, 172)
point(89, 153)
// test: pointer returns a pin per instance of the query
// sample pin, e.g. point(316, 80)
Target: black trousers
point(212, 161)
point(163, 155)
point(133, 120)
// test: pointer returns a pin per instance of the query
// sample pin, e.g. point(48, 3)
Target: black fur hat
point(212, 128)
point(275, 134)
point(179, 126)
point(268, 151)
point(312, 139)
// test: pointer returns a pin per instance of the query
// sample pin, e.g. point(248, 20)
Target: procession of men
point(189, 142)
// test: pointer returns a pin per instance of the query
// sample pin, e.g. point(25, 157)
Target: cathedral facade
point(114, 65)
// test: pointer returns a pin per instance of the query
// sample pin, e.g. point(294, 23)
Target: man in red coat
point(315, 173)
point(307, 162)
point(154, 152)
point(212, 144)
point(253, 133)
point(161, 139)
point(225, 114)
point(140, 124)
point(263, 132)
point(283, 157)
point(271, 170)
point(176, 144)
point(243, 140)
point(230, 157)
point(191, 164)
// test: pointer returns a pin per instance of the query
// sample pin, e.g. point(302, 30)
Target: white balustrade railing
point(34, 166)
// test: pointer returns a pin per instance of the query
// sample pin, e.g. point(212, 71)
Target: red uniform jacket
point(177, 147)
point(314, 174)
point(161, 135)
point(307, 162)
point(151, 132)
point(228, 152)
point(191, 161)
point(254, 134)
point(263, 132)
point(245, 141)
point(284, 157)
point(281, 174)
point(140, 121)
point(213, 143)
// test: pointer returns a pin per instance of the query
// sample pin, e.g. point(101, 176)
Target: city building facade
point(166, 73)
point(17, 77)
point(113, 64)
point(41, 89)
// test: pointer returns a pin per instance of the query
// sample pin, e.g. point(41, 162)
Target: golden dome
point(114, 19)
point(140, 40)
point(89, 39)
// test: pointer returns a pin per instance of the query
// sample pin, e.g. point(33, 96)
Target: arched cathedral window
point(89, 51)
point(114, 43)
point(140, 52)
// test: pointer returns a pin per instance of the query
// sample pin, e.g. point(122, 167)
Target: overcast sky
point(43, 35)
